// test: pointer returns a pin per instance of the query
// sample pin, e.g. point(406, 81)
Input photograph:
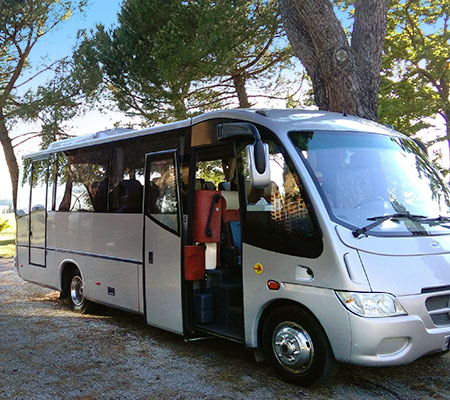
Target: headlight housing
point(371, 305)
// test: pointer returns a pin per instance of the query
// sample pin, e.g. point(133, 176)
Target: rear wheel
point(77, 299)
point(296, 346)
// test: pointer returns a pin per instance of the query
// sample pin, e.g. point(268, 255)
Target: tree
point(170, 59)
point(246, 45)
point(345, 76)
point(22, 24)
point(416, 72)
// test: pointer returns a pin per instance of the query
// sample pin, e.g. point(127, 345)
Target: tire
point(297, 347)
point(76, 298)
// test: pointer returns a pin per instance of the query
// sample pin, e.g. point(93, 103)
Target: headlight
point(373, 305)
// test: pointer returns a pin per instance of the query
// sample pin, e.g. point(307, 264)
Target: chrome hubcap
point(77, 290)
point(293, 347)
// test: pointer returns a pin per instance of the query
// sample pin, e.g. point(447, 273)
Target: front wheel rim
point(293, 347)
point(77, 291)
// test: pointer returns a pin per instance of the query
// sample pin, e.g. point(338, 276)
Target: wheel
point(77, 300)
point(296, 346)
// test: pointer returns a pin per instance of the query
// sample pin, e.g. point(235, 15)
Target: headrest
point(231, 199)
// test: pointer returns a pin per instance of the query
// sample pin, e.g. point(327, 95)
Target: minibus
point(313, 238)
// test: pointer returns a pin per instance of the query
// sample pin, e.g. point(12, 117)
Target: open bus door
point(162, 242)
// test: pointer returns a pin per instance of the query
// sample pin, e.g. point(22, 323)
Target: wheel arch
point(300, 352)
point(278, 303)
point(66, 268)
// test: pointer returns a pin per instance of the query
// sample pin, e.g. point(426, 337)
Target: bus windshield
point(363, 177)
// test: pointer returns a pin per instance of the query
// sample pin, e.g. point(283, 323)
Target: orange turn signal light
point(273, 285)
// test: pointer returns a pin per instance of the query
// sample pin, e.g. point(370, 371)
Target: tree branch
point(37, 74)
point(25, 134)
point(27, 139)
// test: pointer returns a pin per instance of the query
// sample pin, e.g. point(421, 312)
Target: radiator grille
point(439, 309)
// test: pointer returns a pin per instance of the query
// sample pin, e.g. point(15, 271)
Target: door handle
point(150, 257)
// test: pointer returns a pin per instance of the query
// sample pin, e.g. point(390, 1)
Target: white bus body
point(343, 255)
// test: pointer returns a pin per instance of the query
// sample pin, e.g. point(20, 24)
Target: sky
point(55, 45)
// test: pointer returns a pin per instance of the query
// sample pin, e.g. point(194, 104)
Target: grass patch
point(7, 250)
point(8, 236)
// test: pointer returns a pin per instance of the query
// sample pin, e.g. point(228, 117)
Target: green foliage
point(416, 74)
point(22, 24)
point(168, 60)
point(211, 171)
point(4, 225)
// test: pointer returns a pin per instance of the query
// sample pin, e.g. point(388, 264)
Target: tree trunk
point(345, 77)
point(10, 157)
point(239, 85)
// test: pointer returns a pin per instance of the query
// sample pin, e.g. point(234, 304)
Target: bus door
point(38, 216)
point(162, 242)
point(218, 298)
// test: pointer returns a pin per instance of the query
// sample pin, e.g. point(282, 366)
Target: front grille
point(439, 309)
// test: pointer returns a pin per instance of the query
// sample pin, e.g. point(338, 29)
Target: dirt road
point(49, 352)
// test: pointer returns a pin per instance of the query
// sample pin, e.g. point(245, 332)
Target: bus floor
point(219, 307)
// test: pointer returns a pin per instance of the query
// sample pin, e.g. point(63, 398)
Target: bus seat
point(209, 186)
point(231, 200)
point(201, 184)
point(130, 196)
point(101, 195)
point(225, 186)
point(231, 219)
point(207, 216)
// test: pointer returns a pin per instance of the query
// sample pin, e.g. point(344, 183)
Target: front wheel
point(296, 346)
point(77, 299)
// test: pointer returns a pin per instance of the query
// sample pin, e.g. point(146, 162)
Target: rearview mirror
point(258, 164)
point(257, 153)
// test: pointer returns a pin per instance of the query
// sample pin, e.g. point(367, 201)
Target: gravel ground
point(49, 352)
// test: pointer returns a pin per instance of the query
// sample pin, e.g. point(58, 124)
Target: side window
point(23, 203)
point(278, 217)
point(39, 185)
point(216, 168)
point(161, 195)
point(23, 198)
point(83, 180)
point(52, 180)
point(126, 185)
point(126, 178)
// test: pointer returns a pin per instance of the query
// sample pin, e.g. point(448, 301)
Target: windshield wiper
point(380, 219)
point(441, 218)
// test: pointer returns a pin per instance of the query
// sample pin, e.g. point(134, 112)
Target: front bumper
point(398, 340)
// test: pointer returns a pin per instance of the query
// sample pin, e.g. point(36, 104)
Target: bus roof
point(275, 119)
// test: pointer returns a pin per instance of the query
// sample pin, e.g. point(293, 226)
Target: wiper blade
point(380, 219)
point(441, 218)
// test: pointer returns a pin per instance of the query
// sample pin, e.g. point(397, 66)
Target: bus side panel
point(46, 276)
point(296, 287)
point(107, 249)
point(106, 281)
point(110, 235)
